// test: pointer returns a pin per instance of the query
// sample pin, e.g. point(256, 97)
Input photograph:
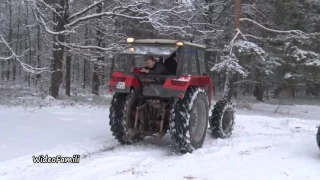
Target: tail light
point(178, 83)
point(121, 79)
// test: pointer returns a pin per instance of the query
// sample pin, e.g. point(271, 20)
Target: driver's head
point(151, 61)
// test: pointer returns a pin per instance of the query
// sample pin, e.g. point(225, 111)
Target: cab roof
point(165, 41)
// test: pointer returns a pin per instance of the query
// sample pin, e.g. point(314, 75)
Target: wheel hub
point(197, 120)
point(194, 116)
point(226, 120)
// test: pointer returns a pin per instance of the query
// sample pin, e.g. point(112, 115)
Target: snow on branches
point(13, 55)
point(229, 61)
point(309, 58)
point(249, 47)
point(272, 30)
point(230, 65)
point(180, 18)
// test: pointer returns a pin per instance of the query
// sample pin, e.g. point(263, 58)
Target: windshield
point(125, 61)
point(128, 59)
point(150, 49)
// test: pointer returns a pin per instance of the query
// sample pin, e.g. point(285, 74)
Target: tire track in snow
point(114, 161)
point(23, 168)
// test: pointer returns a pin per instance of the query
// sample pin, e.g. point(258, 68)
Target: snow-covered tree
point(69, 44)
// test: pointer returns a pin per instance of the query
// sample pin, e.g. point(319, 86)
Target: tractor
point(148, 105)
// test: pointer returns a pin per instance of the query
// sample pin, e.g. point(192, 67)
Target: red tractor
point(178, 102)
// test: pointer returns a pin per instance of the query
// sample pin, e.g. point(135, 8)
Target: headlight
point(132, 49)
point(179, 43)
point(130, 40)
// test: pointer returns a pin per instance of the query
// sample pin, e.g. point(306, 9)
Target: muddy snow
point(264, 146)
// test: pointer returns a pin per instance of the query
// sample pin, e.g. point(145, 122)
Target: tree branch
point(75, 15)
point(25, 66)
point(272, 30)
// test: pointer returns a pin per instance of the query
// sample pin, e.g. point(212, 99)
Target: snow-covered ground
point(264, 146)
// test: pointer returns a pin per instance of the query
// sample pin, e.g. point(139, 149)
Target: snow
point(184, 79)
point(264, 145)
point(273, 30)
point(194, 96)
point(300, 54)
point(310, 58)
point(229, 63)
point(248, 47)
point(313, 62)
point(288, 75)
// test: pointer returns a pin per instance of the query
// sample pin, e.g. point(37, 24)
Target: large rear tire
point(120, 110)
point(189, 120)
point(222, 120)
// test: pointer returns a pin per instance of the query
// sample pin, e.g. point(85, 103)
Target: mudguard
point(166, 88)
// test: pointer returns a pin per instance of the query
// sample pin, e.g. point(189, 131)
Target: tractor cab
point(183, 61)
point(133, 58)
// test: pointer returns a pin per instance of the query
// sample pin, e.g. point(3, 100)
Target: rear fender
point(182, 83)
point(179, 84)
point(130, 82)
point(203, 82)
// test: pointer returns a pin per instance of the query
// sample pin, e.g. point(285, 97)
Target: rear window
point(150, 49)
point(124, 62)
point(136, 57)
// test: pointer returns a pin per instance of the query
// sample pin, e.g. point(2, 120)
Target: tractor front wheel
point(189, 120)
point(222, 120)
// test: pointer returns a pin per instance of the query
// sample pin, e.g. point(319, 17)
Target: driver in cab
point(153, 67)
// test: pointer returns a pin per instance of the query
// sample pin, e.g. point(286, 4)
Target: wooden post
point(238, 5)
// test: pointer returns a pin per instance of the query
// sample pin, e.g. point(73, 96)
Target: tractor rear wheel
point(120, 116)
point(189, 120)
point(222, 120)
